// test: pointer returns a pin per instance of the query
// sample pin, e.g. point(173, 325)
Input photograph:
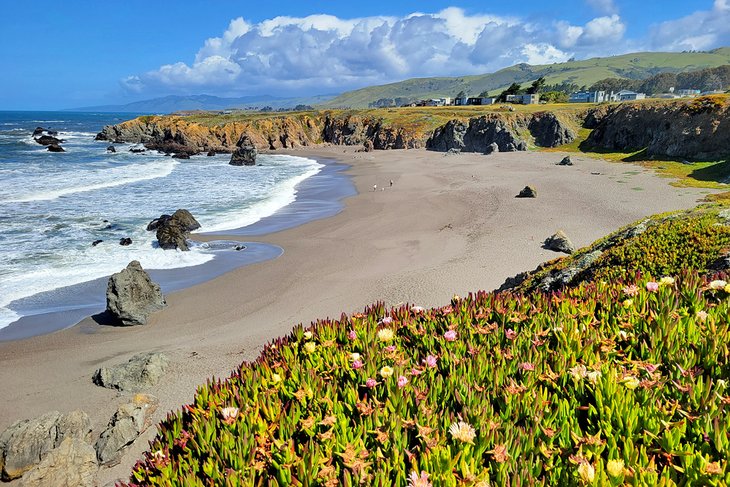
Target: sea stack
point(245, 154)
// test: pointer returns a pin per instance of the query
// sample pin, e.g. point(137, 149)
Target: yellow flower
point(276, 378)
point(386, 372)
point(615, 468)
point(308, 335)
point(727, 289)
point(385, 335)
point(310, 347)
point(630, 382)
point(718, 284)
point(463, 432)
point(666, 281)
point(628, 302)
point(587, 472)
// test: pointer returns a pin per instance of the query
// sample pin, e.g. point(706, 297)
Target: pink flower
point(430, 361)
point(450, 336)
point(527, 366)
point(402, 381)
point(510, 334)
point(415, 481)
point(652, 286)
point(415, 371)
point(631, 290)
point(387, 320)
point(370, 383)
point(418, 309)
point(651, 368)
point(352, 335)
point(390, 348)
point(357, 364)
point(447, 309)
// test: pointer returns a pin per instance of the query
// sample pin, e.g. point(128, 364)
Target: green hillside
point(586, 72)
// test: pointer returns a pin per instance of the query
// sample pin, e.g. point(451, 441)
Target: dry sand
point(449, 224)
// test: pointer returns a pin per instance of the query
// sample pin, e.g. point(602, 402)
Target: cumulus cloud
point(701, 30)
point(603, 6)
point(324, 53)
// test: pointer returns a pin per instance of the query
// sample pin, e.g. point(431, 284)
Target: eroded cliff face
point(695, 130)
point(509, 131)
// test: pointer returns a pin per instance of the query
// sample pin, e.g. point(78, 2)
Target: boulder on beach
point(140, 372)
point(565, 162)
point(131, 296)
point(55, 148)
point(493, 148)
point(130, 420)
point(174, 230)
point(26, 443)
point(245, 154)
point(72, 464)
point(527, 192)
point(559, 242)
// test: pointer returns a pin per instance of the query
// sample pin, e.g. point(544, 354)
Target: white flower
point(463, 432)
point(718, 284)
point(308, 335)
point(355, 356)
point(385, 335)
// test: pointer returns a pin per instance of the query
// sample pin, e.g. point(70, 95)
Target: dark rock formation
point(126, 241)
point(141, 372)
point(124, 427)
point(38, 131)
point(137, 149)
point(559, 243)
point(527, 192)
point(131, 296)
point(211, 153)
point(549, 131)
point(477, 136)
point(181, 155)
point(566, 161)
point(55, 148)
point(493, 148)
point(49, 140)
point(26, 443)
point(96, 242)
point(173, 231)
point(245, 154)
point(111, 148)
point(72, 464)
point(691, 130)
point(367, 146)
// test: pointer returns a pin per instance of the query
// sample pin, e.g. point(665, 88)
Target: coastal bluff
point(689, 129)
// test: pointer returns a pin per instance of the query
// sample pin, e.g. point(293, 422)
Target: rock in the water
point(55, 148)
point(111, 148)
point(239, 248)
point(49, 140)
point(131, 296)
point(492, 148)
point(140, 372)
point(72, 464)
point(96, 242)
point(126, 241)
point(38, 131)
point(527, 192)
point(181, 155)
point(211, 153)
point(173, 231)
point(565, 162)
point(124, 427)
point(137, 149)
point(560, 243)
point(245, 154)
point(25, 443)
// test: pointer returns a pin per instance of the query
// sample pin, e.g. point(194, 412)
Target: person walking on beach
point(391, 183)
point(375, 187)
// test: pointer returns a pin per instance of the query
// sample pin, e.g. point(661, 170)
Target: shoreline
point(319, 196)
point(450, 224)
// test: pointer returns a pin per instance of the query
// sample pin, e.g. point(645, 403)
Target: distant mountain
point(176, 103)
point(582, 73)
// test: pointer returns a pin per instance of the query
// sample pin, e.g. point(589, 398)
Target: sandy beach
point(448, 224)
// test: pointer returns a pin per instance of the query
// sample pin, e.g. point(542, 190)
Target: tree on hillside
point(659, 83)
point(513, 89)
point(484, 94)
point(554, 97)
point(536, 86)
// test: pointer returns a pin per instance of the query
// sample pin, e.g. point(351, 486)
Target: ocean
point(53, 206)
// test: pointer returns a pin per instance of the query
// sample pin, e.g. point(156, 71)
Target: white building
point(533, 99)
point(628, 95)
point(592, 97)
point(688, 93)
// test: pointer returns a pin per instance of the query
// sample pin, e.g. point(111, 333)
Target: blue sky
point(78, 53)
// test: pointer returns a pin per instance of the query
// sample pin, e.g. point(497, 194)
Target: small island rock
point(245, 154)
point(173, 230)
point(559, 243)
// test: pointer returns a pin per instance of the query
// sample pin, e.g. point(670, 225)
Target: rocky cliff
point(693, 130)
point(510, 132)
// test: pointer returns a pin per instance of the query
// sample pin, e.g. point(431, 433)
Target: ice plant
point(450, 335)
point(586, 472)
point(357, 364)
point(418, 309)
point(385, 335)
point(666, 281)
point(615, 468)
point(370, 383)
point(229, 415)
point(717, 284)
point(387, 320)
point(510, 334)
point(627, 303)
point(630, 382)
point(275, 378)
point(415, 480)
point(386, 372)
point(308, 335)
point(352, 335)
point(402, 381)
point(430, 361)
point(526, 366)
point(594, 376)
point(310, 347)
point(701, 315)
point(652, 286)
point(462, 432)
point(631, 290)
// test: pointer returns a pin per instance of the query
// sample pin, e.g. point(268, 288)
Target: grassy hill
point(586, 72)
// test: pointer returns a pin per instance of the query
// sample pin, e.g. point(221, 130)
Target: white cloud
point(701, 30)
point(603, 6)
point(324, 53)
